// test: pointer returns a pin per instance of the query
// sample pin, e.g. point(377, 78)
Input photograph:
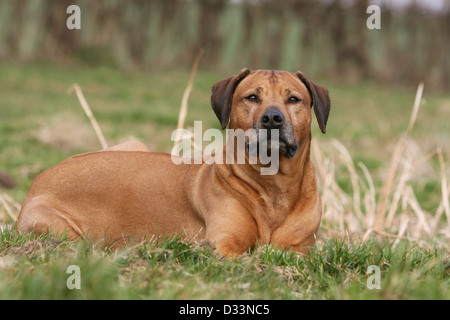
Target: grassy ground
point(41, 125)
point(36, 268)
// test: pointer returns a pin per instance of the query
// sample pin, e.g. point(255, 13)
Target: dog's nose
point(272, 119)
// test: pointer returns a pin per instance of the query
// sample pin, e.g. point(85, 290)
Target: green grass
point(36, 268)
point(367, 118)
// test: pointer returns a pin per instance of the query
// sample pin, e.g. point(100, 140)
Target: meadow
point(384, 190)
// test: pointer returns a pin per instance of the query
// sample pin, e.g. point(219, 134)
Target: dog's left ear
point(222, 96)
point(320, 101)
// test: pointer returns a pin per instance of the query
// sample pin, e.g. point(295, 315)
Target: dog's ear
point(222, 96)
point(320, 101)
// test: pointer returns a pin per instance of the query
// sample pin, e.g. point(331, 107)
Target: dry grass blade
point(12, 202)
point(395, 160)
point(370, 200)
point(444, 187)
point(416, 108)
point(422, 223)
point(89, 114)
point(404, 177)
point(6, 202)
point(187, 92)
point(440, 209)
point(347, 160)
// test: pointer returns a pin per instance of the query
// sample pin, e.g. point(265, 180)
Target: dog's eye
point(252, 97)
point(294, 99)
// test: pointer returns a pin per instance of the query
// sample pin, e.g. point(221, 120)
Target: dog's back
point(132, 193)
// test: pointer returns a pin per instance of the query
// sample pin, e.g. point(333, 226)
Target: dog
point(117, 196)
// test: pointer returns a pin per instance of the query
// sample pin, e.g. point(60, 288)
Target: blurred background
point(326, 38)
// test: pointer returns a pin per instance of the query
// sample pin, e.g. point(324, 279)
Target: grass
point(36, 268)
point(40, 125)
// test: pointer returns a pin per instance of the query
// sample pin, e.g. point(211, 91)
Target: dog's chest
point(269, 217)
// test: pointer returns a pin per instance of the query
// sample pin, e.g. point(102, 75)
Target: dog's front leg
point(232, 233)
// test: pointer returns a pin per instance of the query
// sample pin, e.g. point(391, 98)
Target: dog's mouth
point(287, 149)
point(281, 140)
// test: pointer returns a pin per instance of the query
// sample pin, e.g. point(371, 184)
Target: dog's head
point(268, 99)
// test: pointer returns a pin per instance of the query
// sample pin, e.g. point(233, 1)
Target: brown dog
point(116, 196)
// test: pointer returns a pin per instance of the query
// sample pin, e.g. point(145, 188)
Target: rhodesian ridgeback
point(118, 195)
